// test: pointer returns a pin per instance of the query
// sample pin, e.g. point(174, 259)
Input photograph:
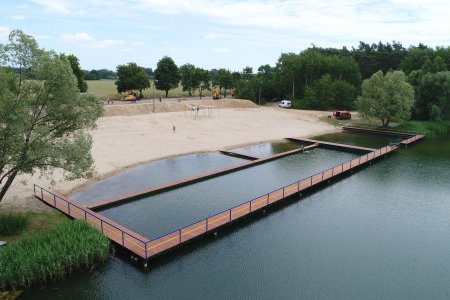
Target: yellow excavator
point(132, 96)
point(216, 94)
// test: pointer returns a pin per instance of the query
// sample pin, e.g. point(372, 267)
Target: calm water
point(163, 213)
point(267, 149)
point(381, 233)
point(153, 174)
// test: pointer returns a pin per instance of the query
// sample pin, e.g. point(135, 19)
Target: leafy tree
point(166, 75)
point(224, 80)
point(188, 78)
point(203, 78)
point(132, 77)
point(79, 74)
point(387, 97)
point(43, 122)
point(433, 96)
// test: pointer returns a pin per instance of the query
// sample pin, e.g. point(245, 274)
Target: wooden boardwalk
point(115, 232)
point(335, 146)
point(147, 249)
point(240, 155)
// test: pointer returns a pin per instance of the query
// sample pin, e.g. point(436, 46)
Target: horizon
point(218, 34)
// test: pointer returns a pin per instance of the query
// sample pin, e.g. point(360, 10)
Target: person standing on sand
point(173, 127)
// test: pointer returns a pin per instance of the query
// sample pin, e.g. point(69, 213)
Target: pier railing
point(146, 248)
point(181, 235)
point(128, 239)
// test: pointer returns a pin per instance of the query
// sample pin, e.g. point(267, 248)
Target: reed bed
point(51, 255)
point(11, 224)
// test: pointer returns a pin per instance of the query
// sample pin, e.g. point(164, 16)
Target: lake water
point(381, 233)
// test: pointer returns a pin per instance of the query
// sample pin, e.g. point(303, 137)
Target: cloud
point(4, 31)
point(125, 50)
point(88, 41)
point(77, 37)
point(210, 36)
point(139, 43)
point(18, 17)
point(222, 50)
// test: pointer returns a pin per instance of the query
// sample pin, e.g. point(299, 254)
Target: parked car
point(342, 115)
point(285, 104)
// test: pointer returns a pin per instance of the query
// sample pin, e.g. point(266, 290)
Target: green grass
point(12, 224)
point(428, 128)
point(52, 254)
point(107, 88)
point(35, 223)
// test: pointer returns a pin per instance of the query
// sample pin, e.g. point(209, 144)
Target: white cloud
point(139, 43)
point(125, 50)
point(210, 36)
point(77, 37)
point(4, 31)
point(222, 50)
point(18, 17)
point(88, 41)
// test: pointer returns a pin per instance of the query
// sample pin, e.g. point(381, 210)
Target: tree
point(387, 97)
point(79, 74)
point(224, 80)
point(43, 122)
point(132, 77)
point(203, 77)
point(166, 75)
point(188, 78)
point(433, 96)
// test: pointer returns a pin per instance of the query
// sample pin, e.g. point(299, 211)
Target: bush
point(426, 127)
point(12, 224)
point(52, 254)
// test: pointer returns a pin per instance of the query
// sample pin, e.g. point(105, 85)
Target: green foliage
point(428, 128)
point(188, 77)
point(11, 224)
point(327, 93)
point(433, 96)
point(132, 77)
point(167, 76)
point(389, 98)
point(375, 57)
point(224, 79)
point(51, 255)
point(43, 122)
point(79, 74)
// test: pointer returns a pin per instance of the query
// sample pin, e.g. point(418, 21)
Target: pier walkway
point(147, 249)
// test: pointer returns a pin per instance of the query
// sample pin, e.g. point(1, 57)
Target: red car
point(342, 115)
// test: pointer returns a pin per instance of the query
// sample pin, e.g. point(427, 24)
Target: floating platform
point(147, 249)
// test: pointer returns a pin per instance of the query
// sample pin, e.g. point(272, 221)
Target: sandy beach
point(131, 139)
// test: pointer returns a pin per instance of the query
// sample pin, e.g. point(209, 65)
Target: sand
point(132, 139)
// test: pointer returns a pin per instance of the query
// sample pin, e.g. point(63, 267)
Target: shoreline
point(124, 142)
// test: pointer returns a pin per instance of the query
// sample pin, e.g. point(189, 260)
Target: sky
point(217, 34)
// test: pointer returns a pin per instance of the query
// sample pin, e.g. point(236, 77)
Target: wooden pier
point(334, 146)
point(147, 249)
point(239, 155)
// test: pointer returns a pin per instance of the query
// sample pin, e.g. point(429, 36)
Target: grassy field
point(107, 88)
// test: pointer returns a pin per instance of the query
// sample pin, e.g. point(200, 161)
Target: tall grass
point(429, 128)
point(11, 224)
point(51, 255)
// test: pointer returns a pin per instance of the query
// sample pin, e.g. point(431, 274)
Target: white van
point(285, 104)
